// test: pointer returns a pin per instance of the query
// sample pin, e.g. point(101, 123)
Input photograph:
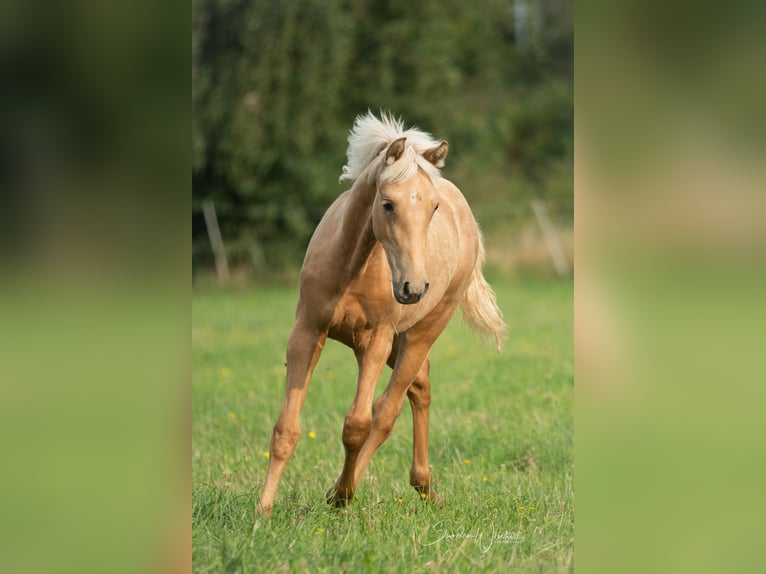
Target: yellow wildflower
point(312, 434)
point(266, 454)
point(466, 461)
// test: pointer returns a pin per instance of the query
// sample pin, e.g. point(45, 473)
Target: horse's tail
point(479, 304)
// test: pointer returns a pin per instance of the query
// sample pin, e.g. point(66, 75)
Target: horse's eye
point(388, 206)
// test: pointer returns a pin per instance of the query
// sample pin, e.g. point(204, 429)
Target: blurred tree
point(276, 86)
point(267, 85)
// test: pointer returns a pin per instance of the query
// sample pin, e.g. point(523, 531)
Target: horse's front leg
point(303, 350)
point(371, 355)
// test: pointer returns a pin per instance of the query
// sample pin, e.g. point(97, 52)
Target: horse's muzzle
point(406, 295)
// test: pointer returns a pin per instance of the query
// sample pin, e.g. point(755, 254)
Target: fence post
point(551, 239)
point(216, 242)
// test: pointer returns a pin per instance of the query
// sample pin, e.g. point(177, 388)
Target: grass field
point(501, 447)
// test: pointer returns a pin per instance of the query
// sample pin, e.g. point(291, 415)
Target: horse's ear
point(436, 155)
point(395, 150)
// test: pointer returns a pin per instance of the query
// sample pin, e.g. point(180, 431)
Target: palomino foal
point(387, 266)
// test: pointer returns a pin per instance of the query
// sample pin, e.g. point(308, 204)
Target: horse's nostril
point(406, 289)
point(425, 289)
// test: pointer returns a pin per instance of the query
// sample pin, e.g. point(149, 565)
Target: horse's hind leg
point(413, 351)
point(419, 395)
point(371, 356)
point(303, 350)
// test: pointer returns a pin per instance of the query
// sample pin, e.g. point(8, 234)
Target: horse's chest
point(366, 304)
point(368, 300)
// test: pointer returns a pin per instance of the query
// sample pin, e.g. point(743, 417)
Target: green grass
point(501, 447)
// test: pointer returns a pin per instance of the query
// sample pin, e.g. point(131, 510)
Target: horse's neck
point(356, 237)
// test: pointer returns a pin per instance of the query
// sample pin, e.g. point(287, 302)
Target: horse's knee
point(356, 429)
point(283, 441)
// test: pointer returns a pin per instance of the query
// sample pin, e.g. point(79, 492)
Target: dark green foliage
point(276, 87)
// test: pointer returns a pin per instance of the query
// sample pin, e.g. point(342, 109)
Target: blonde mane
point(370, 136)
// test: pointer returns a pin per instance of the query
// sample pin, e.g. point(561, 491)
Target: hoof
point(264, 511)
point(436, 499)
point(337, 498)
point(431, 497)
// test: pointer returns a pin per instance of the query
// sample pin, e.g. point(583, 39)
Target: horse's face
point(401, 216)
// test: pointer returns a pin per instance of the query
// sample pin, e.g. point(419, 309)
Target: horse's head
point(404, 206)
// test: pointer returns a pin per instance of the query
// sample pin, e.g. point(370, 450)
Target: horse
point(387, 266)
